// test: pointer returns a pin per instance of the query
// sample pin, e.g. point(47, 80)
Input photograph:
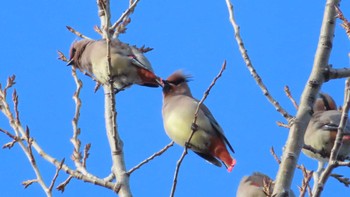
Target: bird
point(322, 130)
point(178, 110)
point(257, 185)
point(128, 64)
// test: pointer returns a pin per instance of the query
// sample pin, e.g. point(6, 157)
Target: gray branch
point(295, 139)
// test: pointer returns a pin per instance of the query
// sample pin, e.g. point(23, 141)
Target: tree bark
point(317, 78)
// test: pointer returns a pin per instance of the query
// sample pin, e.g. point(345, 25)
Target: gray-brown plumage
point(178, 112)
point(322, 130)
point(128, 64)
point(256, 185)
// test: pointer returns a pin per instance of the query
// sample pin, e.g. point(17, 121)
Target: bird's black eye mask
point(177, 81)
point(325, 101)
point(72, 52)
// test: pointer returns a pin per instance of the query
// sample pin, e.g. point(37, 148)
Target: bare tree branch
point(346, 23)
point(23, 134)
point(333, 162)
point(194, 128)
point(341, 179)
point(116, 144)
point(118, 26)
point(281, 124)
point(273, 153)
point(289, 95)
point(250, 67)
point(307, 175)
point(337, 73)
point(55, 176)
point(76, 156)
point(296, 135)
point(61, 187)
point(77, 33)
point(86, 154)
point(151, 157)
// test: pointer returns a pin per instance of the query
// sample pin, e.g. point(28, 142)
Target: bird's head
point(176, 84)
point(76, 49)
point(324, 102)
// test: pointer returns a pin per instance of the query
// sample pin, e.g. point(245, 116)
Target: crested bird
point(128, 64)
point(321, 133)
point(256, 185)
point(178, 112)
point(322, 129)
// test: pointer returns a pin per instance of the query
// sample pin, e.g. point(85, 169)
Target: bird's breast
point(178, 125)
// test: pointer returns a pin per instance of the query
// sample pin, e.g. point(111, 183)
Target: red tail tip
point(233, 163)
point(346, 137)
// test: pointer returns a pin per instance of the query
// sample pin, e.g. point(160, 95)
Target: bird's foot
point(194, 127)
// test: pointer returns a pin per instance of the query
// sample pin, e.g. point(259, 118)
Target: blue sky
point(195, 36)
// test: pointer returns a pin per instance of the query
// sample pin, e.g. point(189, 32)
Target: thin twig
point(251, 68)
point(333, 163)
point(86, 154)
point(26, 149)
point(28, 183)
point(77, 33)
point(289, 95)
point(61, 187)
point(305, 186)
point(306, 173)
point(194, 127)
point(76, 156)
point(341, 179)
point(151, 157)
point(61, 56)
point(346, 23)
point(281, 124)
point(20, 131)
point(273, 153)
point(8, 134)
point(55, 176)
point(115, 27)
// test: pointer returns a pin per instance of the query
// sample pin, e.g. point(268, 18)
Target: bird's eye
point(178, 81)
point(72, 52)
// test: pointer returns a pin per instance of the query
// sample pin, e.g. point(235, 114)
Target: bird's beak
point(70, 62)
point(160, 81)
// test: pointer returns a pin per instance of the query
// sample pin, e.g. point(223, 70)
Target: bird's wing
point(209, 158)
point(215, 125)
point(138, 59)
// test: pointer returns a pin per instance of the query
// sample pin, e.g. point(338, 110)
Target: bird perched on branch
point(178, 112)
point(128, 64)
point(257, 185)
point(322, 130)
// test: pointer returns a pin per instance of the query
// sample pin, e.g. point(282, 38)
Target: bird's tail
point(221, 152)
point(148, 78)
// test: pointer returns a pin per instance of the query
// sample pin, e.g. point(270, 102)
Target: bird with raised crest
point(179, 106)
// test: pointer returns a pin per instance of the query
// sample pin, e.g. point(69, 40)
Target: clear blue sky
point(196, 36)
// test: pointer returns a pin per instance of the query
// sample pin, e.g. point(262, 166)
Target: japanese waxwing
point(128, 64)
point(322, 129)
point(178, 111)
point(253, 186)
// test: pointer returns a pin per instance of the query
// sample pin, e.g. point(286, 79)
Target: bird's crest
point(178, 77)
